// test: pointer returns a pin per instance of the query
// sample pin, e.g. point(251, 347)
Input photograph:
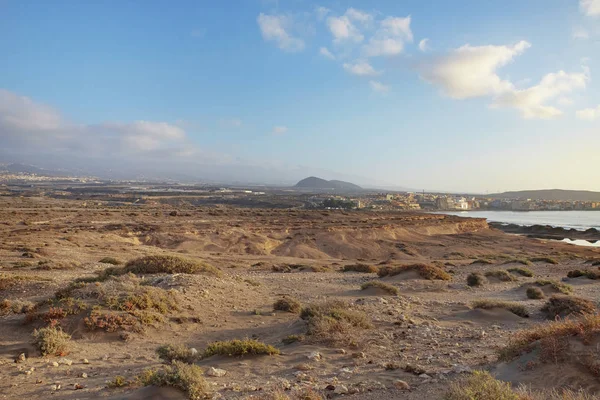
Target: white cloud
point(322, 12)
point(470, 71)
point(326, 53)
point(379, 87)
point(361, 68)
point(533, 102)
point(589, 114)
point(424, 45)
point(565, 101)
point(359, 16)
point(580, 33)
point(590, 7)
point(279, 130)
point(389, 38)
point(276, 28)
point(343, 29)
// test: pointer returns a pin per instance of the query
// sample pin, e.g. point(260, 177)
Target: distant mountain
point(318, 183)
point(550, 194)
point(17, 168)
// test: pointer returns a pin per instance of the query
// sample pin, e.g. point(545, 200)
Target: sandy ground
point(430, 324)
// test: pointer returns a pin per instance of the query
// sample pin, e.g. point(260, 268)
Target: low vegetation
point(288, 304)
point(118, 381)
point(501, 275)
point(476, 279)
point(480, 386)
point(163, 264)
point(521, 271)
point(563, 306)
point(535, 293)
point(334, 322)
point(389, 289)
point(300, 268)
point(289, 339)
point(178, 352)
point(482, 261)
point(239, 348)
point(522, 341)
point(518, 261)
point(425, 271)
point(595, 275)
point(51, 341)
point(548, 260)
point(555, 285)
point(16, 307)
point(110, 260)
point(8, 281)
point(515, 308)
point(185, 377)
point(364, 268)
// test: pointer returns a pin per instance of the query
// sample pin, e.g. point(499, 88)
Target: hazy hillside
point(550, 194)
point(318, 183)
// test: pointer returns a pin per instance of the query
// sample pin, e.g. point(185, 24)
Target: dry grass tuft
point(239, 348)
point(476, 279)
point(16, 307)
point(521, 341)
point(521, 271)
point(51, 341)
point(548, 260)
point(177, 352)
point(482, 261)
point(110, 260)
point(480, 386)
point(586, 273)
point(426, 271)
point(380, 285)
point(364, 268)
point(288, 304)
point(182, 376)
point(514, 308)
point(563, 306)
point(535, 293)
point(163, 264)
point(334, 322)
point(501, 274)
point(558, 286)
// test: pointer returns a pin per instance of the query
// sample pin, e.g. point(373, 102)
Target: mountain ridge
point(313, 182)
point(549, 194)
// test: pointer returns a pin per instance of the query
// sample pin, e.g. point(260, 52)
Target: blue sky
point(480, 96)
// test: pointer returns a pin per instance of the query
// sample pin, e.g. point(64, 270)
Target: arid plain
point(324, 303)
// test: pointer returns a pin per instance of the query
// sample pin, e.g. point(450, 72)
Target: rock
point(402, 385)
point(21, 358)
point(216, 372)
point(341, 351)
point(329, 387)
point(424, 376)
point(315, 356)
point(85, 361)
point(84, 375)
point(78, 386)
point(54, 364)
point(193, 351)
point(65, 361)
point(55, 387)
point(341, 389)
point(359, 355)
point(461, 369)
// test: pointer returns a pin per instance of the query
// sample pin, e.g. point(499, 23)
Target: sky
point(477, 96)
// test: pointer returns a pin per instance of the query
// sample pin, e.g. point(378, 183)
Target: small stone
point(84, 375)
point(329, 387)
point(402, 385)
point(55, 387)
point(193, 351)
point(21, 358)
point(65, 361)
point(359, 355)
point(341, 389)
point(315, 356)
point(85, 361)
point(341, 351)
point(54, 364)
point(216, 372)
point(424, 376)
point(78, 386)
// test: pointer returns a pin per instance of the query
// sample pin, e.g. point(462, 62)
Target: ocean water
point(580, 220)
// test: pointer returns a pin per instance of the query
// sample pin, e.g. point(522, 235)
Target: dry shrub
point(288, 304)
point(500, 274)
point(480, 386)
point(521, 271)
point(51, 341)
point(545, 259)
point(476, 279)
point(364, 268)
point(8, 281)
point(185, 377)
point(521, 341)
point(177, 352)
point(563, 306)
point(562, 394)
point(535, 293)
point(110, 260)
point(558, 286)
point(163, 264)
point(518, 261)
point(482, 261)
point(426, 271)
point(239, 348)
point(389, 289)
point(118, 382)
point(289, 339)
point(553, 349)
point(515, 308)
point(333, 322)
point(586, 273)
point(16, 307)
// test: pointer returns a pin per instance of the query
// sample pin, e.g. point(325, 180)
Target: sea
point(580, 220)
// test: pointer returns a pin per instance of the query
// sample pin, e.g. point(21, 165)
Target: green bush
point(239, 348)
point(177, 352)
point(51, 341)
